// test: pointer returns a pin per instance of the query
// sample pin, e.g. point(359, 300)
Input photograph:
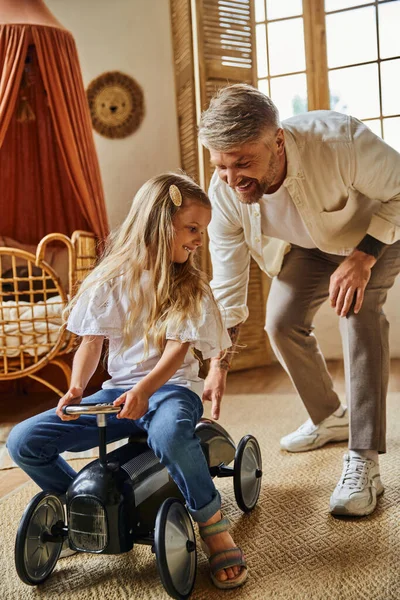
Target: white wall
point(134, 37)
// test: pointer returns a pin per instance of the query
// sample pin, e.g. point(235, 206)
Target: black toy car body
point(127, 497)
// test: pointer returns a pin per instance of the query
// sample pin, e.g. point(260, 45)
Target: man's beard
point(258, 187)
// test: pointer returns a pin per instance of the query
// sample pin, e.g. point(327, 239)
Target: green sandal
point(233, 557)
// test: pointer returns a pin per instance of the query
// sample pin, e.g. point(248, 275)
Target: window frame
point(316, 55)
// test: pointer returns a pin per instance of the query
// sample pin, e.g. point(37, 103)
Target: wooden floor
point(271, 380)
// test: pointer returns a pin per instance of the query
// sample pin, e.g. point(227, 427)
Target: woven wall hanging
point(116, 104)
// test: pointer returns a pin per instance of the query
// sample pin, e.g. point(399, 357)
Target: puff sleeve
point(206, 335)
point(96, 313)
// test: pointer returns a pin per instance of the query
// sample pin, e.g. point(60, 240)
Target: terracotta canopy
point(49, 173)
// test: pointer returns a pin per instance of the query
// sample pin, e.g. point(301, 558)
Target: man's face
point(252, 169)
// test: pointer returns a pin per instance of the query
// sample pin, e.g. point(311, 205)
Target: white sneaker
point(358, 488)
point(310, 437)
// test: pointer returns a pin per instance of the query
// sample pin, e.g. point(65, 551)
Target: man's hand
point(214, 389)
point(136, 404)
point(73, 396)
point(350, 280)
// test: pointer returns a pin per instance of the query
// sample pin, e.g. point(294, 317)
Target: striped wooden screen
point(226, 52)
point(185, 85)
point(213, 47)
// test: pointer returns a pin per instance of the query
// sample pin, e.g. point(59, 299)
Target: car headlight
point(87, 524)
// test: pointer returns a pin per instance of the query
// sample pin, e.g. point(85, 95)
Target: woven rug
point(295, 549)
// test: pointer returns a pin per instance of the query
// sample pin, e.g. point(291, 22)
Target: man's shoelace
point(354, 475)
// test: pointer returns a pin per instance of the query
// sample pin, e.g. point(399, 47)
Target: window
point(281, 62)
point(364, 74)
point(338, 54)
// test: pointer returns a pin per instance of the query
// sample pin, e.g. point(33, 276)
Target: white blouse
point(101, 311)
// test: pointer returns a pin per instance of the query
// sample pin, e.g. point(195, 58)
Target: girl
point(153, 304)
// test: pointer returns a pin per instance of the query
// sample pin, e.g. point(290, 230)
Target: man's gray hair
point(237, 114)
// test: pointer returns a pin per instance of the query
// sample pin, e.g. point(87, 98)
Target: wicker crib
point(32, 298)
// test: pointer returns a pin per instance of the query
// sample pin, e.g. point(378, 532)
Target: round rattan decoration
point(116, 104)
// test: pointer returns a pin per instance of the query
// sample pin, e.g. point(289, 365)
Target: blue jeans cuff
point(206, 512)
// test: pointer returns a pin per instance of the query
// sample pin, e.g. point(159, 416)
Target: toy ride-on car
point(127, 497)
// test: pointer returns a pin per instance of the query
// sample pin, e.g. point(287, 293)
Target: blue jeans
point(35, 444)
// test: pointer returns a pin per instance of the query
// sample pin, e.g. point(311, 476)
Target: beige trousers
point(295, 296)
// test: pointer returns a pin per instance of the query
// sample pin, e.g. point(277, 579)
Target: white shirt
point(281, 219)
point(101, 312)
point(343, 180)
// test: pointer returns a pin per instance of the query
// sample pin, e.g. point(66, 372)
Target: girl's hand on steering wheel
point(136, 404)
point(73, 396)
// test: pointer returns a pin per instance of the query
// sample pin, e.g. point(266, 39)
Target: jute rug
point(295, 549)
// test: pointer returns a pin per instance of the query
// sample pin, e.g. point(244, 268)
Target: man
point(316, 202)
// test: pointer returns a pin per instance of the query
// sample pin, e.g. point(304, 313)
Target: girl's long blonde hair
point(144, 241)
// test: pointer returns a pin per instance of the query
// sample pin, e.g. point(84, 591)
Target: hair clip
point(175, 195)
